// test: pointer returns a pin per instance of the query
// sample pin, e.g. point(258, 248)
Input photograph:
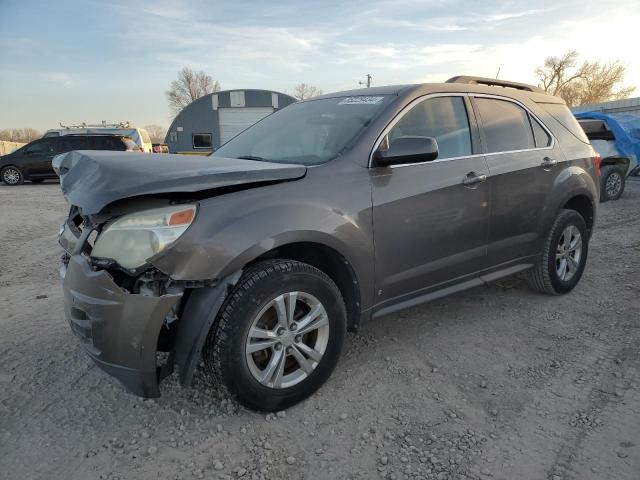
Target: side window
point(105, 142)
point(443, 118)
point(69, 143)
point(96, 143)
point(506, 125)
point(201, 140)
point(540, 135)
point(64, 144)
point(43, 146)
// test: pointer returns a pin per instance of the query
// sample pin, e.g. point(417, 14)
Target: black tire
point(37, 180)
point(224, 352)
point(612, 182)
point(12, 176)
point(544, 276)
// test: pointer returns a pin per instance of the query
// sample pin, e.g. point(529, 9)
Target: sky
point(88, 61)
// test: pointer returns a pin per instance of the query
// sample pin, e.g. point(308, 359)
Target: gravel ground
point(496, 382)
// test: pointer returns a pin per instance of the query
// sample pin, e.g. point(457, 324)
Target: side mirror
point(407, 150)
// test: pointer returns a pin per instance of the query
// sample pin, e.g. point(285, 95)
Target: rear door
point(430, 227)
point(523, 163)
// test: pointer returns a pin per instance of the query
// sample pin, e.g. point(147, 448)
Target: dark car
point(160, 148)
point(33, 161)
point(335, 210)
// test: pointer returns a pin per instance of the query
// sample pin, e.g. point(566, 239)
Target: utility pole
point(368, 82)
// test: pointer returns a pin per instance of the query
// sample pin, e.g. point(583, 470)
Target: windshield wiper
point(252, 157)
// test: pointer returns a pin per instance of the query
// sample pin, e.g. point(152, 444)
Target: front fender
point(233, 230)
point(196, 320)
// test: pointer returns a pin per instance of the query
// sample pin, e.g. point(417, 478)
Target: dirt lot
point(497, 382)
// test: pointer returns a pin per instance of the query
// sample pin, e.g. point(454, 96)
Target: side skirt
point(443, 291)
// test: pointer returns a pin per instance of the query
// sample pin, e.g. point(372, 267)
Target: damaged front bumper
point(118, 329)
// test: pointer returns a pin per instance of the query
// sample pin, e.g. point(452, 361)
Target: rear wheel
point(564, 257)
point(12, 175)
point(278, 336)
point(612, 182)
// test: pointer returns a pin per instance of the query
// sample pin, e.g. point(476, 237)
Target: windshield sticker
point(360, 100)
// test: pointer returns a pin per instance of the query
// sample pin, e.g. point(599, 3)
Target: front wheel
point(12, 175)
point(278, 336)
point(564, 257)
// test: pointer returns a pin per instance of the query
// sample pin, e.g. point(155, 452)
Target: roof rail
point(494, 82)
point(104, 124)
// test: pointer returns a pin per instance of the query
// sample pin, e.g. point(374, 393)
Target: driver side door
point(36, 155)
point(431, 219)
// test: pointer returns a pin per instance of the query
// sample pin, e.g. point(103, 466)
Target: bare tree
point(188, 87)
point(22, 135)
point(303, 91)
point(156, 132)
point(590, 82)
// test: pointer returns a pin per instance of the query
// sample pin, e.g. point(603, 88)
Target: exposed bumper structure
point(118, 329)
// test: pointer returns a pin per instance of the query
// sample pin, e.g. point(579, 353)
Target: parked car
point(139, 135)
point(160, 148)
point(335, 210)
point(33, 161)
point(616, 137)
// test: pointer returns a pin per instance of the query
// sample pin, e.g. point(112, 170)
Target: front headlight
point(132, 239)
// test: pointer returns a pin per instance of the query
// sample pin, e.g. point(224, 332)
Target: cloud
point(61, 78)
point(501, 17)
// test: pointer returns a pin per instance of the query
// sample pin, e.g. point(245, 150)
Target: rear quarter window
point(565, 118)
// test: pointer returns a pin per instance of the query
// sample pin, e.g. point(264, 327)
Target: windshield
point(307, 133)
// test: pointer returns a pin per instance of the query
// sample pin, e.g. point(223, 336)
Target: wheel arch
point(610, 161)
point(331, 262)
point(584, 205)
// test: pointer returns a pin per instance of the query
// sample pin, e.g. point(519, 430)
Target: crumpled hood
point(92, 180)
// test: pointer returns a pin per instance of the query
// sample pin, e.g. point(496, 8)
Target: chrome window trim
point(422, 98)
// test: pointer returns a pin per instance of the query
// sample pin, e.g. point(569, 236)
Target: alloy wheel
point(613, 184)
point(287, 340)
point(11, 176)
point(568, 253)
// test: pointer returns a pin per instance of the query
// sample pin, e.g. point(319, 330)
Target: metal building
point(628, 105)
point(212, 120)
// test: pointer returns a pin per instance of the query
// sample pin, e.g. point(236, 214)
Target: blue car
point(616, 137)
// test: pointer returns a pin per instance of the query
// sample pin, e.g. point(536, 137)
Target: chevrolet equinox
point(257, 259)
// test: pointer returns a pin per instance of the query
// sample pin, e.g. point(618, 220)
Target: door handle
point(472, 179)
point(548, 163)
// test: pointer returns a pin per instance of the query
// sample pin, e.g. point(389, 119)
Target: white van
point(138, 135)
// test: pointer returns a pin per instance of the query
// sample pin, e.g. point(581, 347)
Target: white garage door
point(235, 120)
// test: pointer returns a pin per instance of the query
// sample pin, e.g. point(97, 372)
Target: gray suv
point(257, 259)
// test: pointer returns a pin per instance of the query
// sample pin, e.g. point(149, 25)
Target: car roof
point(119, 135)
point(461, 86)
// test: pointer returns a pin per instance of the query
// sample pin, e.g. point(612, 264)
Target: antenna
point(368, 82)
